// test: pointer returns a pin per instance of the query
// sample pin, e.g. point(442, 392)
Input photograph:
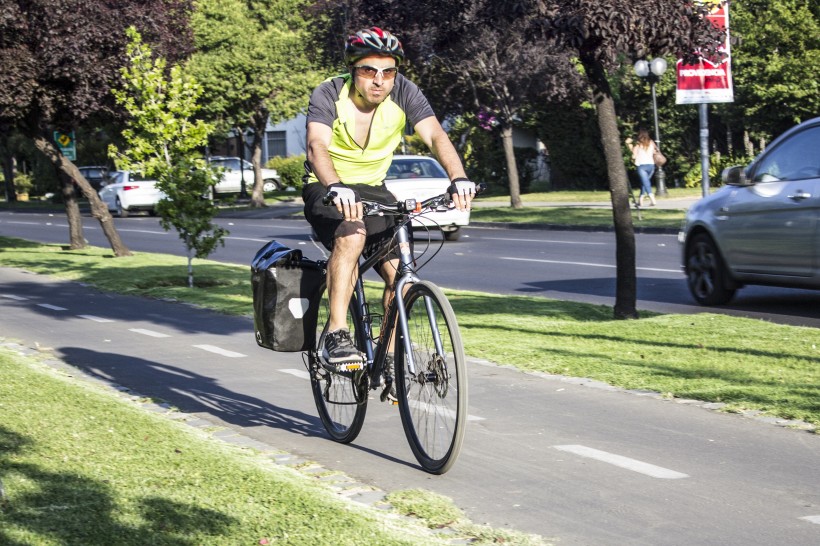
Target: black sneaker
point(339, 348)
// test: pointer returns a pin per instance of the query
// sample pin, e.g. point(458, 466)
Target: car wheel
point(452, 234)
point(270, 185)
point(706, 272)
point(121, 212)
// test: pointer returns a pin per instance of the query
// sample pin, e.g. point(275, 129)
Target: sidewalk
point(676, 203)
point(292, 209)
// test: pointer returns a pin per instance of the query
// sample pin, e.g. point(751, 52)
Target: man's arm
point(318, 140)
point(433, 135)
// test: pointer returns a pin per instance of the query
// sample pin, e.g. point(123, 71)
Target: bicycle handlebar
point(408, 206)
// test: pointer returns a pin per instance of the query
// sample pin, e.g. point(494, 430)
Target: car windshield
point(415, 168)
point(232, 164)
point(794, 159)
point(93, 173)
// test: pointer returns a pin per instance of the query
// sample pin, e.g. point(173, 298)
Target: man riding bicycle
point(354, 123)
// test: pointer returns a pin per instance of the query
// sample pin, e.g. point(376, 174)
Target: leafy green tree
point(58, 62)
point(164, 142)
point(254, 61)
point(775, 64)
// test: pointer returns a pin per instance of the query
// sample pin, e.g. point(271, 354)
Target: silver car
point(236, 170)
point(761, 227)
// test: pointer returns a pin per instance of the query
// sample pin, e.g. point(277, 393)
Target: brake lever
point(329, 197)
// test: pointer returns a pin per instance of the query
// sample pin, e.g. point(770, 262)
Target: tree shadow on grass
point(71, 509)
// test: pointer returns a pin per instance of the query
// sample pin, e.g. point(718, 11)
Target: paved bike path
point(543, 454)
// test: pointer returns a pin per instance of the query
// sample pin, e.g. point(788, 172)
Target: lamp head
point(642, 68)
point(657, 66)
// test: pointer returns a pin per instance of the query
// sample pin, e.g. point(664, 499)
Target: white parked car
point(235, 170)
point(421, 177)
point(126, 193)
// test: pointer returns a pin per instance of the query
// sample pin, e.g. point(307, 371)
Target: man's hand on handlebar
point(462, 192)
point(347, 201)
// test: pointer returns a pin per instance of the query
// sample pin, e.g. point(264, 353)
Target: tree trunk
point(512, 169)
point(98, 209)
point(626, 283)
point(72, 210)
point(9, 167)
point(190, 267)
point(260, 123)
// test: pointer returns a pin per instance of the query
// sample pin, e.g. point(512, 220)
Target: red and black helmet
point(373, 41)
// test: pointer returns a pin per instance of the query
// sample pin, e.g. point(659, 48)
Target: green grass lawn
point(670, 219)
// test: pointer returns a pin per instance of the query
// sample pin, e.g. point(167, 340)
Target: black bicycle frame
point(406, 273)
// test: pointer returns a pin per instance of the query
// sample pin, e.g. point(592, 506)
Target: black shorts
point(325, 219)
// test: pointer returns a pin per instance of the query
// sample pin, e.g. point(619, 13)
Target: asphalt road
point(564, 458)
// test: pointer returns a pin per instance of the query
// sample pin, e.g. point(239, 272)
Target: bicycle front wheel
point(433, 396)
point(341, 397)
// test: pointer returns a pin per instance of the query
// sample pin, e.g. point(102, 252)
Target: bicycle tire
point(433, 401)
point(341, 398)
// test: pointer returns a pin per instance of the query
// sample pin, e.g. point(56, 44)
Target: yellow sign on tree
point(65, 142)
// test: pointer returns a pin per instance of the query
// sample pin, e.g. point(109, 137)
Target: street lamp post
point(653, 71)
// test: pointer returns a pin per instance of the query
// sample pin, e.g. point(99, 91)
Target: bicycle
point(429, 361)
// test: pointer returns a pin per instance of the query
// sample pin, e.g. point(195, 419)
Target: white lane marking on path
point(145, 332)
point(543, 241)
point(623, 462)
point(588, 264)
point(149, 231)
point(248, 239)
point(220, 351)
point(302, 374)
point(812, 519)
point(442, 411)
point(13, 297)
point(279, 226)
point(52, 307)
point(95, 318)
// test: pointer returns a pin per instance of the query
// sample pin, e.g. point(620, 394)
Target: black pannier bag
point(286, 293)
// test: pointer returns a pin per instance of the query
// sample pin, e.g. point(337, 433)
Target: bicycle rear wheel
point(341, 398)
point(433, 400)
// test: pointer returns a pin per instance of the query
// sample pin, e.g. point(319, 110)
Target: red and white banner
point(708, 81)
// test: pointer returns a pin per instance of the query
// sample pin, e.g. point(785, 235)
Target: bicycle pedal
point(344, 366)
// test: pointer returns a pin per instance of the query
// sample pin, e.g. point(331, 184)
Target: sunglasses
point(371, 72)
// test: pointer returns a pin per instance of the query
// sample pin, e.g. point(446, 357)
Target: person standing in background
point(642, 152)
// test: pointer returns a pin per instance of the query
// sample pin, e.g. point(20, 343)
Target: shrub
point(717, 162)
point(290, 169)
point(23, 183)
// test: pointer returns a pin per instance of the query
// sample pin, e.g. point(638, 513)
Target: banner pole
point(703, 115)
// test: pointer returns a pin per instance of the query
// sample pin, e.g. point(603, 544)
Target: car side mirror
point(735, 176)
